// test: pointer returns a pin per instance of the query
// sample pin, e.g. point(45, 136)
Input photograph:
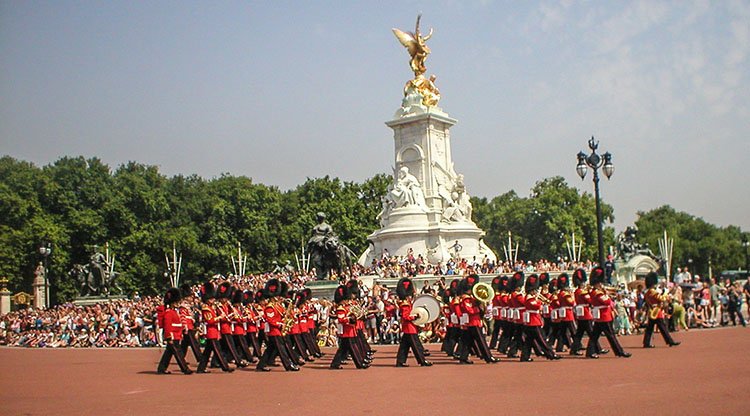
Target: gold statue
point(415, 44)
point(418, 50)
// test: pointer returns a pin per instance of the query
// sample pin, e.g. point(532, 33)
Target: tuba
point(483, 292)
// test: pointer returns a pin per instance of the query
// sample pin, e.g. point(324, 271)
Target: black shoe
point(466, 361)
point(426, 364)
point(649, 346)
point(228, 370)
point(402, 365)
point(336, 367)
point(264, 369)
point(512, 355)
point(603, 351)
point(554, 357)
point(365, 366)
point(625, 355)
point(294, 368)
point(527, 360)
point(493, 360)
point(163, 372)
point(427, 353)
point(594, 356)
point(578, 353)
point(203, 371)
point(674, 344)
point(188, 371)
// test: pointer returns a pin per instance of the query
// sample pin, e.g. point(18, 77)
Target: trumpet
point(541, 298)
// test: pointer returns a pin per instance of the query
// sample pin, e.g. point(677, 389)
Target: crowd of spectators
point(132, 322)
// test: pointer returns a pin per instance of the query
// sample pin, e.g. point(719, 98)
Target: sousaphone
point(426, 308)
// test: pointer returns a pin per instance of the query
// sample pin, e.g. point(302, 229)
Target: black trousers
point(736, 314)
point(310, 344)
point(585, 326)
point(562, 335)
point(496, 327)
point(650, 331)
point(410, 341)
point(516, 340)
point(299, 346)
point(171, 350)
point(212, 348)
point(475, 336)
point(275, 346)
point(505, 337)
point(533, 337)
point(347, 348)
point(451, 340)
point(606, 329)
point(227, 346)
point(189, 339)
point(254, 343)
point(240, 345)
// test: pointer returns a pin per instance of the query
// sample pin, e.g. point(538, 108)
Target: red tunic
point(172, 325)
point(567, 304)
point(312, 317)
point(517, 303)
point(470, 307)
point(504, 299)
point(407, 320)
point(532, 315)
point(273, 313)
point(456, 311)
point(554, 305)
point(583, 305)
point(211, 321)
point(496, 306)
point(654, 299)
point(344, 326)
point(186, 316)
point(238, 320)
point(602, 306)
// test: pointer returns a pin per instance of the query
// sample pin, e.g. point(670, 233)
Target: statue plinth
point(427, 208)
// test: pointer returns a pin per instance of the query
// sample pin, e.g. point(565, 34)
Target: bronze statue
point(326, 252)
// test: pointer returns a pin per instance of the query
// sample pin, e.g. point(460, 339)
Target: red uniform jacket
point(456, 311)
point(344, 326)
point(274, 315)
point(567, 306)
point(554, 305)
point(295, 326)
point(446, 311)
point(407, 320)
point(251, 323)
point(583, 305)
point(312, 317)
point(546, 309)
point(172, 325)
point(211, 321)
point(517, 303)
point(496, 306)
point(160, 316)
point(504, 302)
point(470, 306)
point(186, 316)
point(225, 323)
point(532, 316)
point(654, 299)
point(602, 306)
point(238, 320)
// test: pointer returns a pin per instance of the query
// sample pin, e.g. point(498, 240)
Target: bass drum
point(426, 308)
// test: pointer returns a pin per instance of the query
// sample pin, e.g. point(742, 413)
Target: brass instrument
point(483, 292)
point(541, 298)
point(288, 318)
point(357, 310)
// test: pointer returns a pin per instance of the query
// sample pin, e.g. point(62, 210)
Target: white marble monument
point(427, 207)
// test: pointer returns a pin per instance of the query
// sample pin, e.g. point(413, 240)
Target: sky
point(282, 91)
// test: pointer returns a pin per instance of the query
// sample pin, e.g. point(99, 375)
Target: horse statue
point(95, 278)
point(330, 256)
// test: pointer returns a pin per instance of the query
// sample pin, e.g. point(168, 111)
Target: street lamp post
point(594, 161)
point(45, 250)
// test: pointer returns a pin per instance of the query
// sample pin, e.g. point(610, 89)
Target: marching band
point(529, 313)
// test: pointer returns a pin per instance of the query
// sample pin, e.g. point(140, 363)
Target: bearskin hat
point(543, 278)
point(496, 283)
point(597, 275)
point(505, 284)
point(259, 295)
point(172, 296)
point(353, 286)
point(225, 291)
point(454, 286)
point(404, 288)
point(186, 291)
point(248, 297)
point(299, 298)
point(579, 277)
point(445, 295)
point(341, 294)
point(308, 293)
point(471, 280)
point(516, 282)
point(272, 288)
point(563, 281)
point(237, 296)
point(553, 285)
point(532, 283)
point(652, 279)
point(208, 291)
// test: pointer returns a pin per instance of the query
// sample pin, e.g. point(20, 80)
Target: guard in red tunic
point(251, 323)
point(172, 334)
point(507, 329)
point(211, 321)
point(516, 307)
point(273, 315)
point(497, 320)
point(445, 295)
point(471, 313)
point(545, 292)
point(602, 312)
point(187, 316)
point(361, 339)
point(533, 322)
point(346, 331)
point(582, 310)
point(307, 324)
point(239, 325)
point(566, 304)
point(655, 300)
point(453, 339)
point(226, 324)
point(409, 331)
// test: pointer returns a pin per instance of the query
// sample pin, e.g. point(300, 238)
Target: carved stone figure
point(457, 203)
point(406, 191)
